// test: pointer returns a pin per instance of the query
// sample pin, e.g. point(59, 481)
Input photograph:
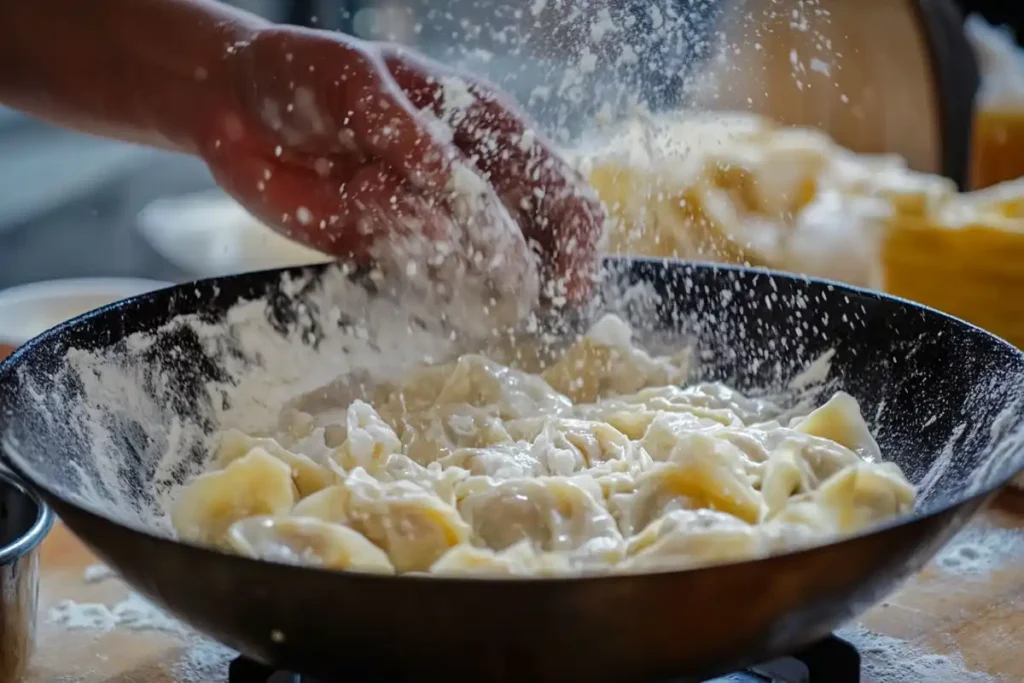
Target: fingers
point(385, 126)
point(550, 200)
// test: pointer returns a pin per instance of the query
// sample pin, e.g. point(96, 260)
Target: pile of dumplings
point(603, 462)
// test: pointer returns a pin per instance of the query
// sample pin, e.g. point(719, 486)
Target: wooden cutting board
point(961, 619)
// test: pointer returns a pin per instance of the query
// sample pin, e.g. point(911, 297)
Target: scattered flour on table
point(201, 661)
point(204, 662)
point(96, 573)
point(980, 550)
point(891, 660)
point(133, 613)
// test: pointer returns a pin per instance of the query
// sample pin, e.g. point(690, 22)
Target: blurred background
point(878, 76)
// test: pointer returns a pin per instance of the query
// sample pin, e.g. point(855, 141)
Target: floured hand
point(368, 152)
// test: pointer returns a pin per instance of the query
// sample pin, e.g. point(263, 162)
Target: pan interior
point(114, 411)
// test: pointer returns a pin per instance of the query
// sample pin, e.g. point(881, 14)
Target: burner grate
point(832, 660)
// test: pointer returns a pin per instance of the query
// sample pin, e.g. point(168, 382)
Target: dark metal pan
point(942, 397)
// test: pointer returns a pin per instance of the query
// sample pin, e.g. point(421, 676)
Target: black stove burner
point(832, 660)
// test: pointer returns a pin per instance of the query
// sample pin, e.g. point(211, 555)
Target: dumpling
point(786, 474)
point(865, 494)
point(840, 420)
point(552, 513)
point(665, 430)
point(307, 541)
point(702, 401)
point(329, 504)
point(504, 392)
point(516, 560)
point(824, 457)
point(255, 484)
point(369, 440)
point(600, 447)
point(701, 472)
point(691, 538)
point(412, 525)
point(633, 421)
point(437, 433)
point(717, 396)
point(548, 444)
point(501, 461)
point(309, 476)
point(605, 363)
point(635, 504)
point(325, 406)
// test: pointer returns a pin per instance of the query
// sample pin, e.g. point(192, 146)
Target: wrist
point(217, 82)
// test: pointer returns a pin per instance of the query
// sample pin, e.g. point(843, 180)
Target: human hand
point(353, 148)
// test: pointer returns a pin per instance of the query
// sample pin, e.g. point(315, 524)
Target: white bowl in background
point(28, 310)
point(208, 234)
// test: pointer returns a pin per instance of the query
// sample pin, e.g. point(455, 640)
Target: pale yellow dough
point(604, 462)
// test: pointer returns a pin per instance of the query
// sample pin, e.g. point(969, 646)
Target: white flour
point(891, 660)
point(981, 550)
point(479, 275)
point(97, 573)
point(133, 613)
point(201, 660)
point(204, 662)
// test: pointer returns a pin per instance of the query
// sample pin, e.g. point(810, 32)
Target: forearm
point(145, 71)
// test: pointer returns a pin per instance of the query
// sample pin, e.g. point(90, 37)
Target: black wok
point(942, 397)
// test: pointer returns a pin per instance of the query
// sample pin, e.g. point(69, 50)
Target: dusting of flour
point(97, 573)
point(891, 660)
point(133, 613)
point(138, 392)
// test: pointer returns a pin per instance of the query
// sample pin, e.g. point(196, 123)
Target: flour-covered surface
point(962, 618)
point(957, 621)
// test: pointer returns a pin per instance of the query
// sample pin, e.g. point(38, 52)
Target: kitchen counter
point(961, 619)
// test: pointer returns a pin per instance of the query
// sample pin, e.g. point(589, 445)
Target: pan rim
point(12, 362)
point(31, 538)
